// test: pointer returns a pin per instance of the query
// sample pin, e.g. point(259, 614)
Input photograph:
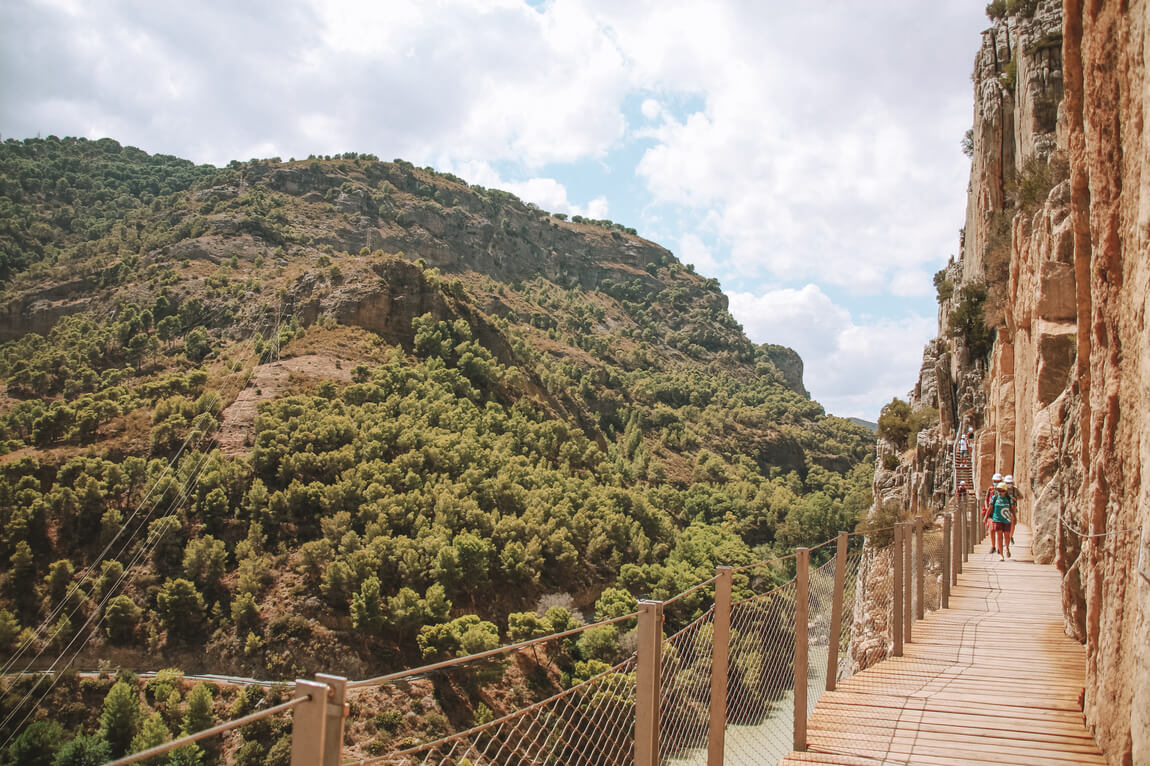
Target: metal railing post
point(308, 723)
point(647, 683)
point(837, 612)
point(336, 712)
point(720, 649)
point(956, 549)
point(802, 602)
point(907, 582)
point(947, 556)
point(896, 588)
point(919, 572)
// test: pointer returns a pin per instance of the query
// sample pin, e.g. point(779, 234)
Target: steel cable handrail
point(210, 732)
point(425, 669)
point(595, 716)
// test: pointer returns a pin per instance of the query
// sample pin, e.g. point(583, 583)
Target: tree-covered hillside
point(345, 415)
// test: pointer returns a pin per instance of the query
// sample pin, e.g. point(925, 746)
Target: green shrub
point(968, 323)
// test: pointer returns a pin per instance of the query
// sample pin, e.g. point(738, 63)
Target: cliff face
point(1054, 373)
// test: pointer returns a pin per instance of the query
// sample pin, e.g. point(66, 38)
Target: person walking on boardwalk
point(986, 503)
point(1014, 496)
point(963, 452)
point(1002, 517)
point(960, 493)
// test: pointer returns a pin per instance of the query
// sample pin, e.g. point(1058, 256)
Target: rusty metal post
point(967, 537)
point(896, 588)
point(802, 607)
point(720, 649)
point(947, 556)
point(907, 582)
point(837, 612)
point(337, 711)
point(647, 683)
point(309, 720)
point(919, 572)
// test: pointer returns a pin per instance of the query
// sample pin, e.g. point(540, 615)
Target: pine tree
point(199, 715)
point(120, 718)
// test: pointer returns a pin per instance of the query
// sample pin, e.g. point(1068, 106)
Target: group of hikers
point(998, 507)
point(998, 512)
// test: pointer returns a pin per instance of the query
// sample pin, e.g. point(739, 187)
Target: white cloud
point(692, 250)
point(650, 108)
point(547, 193)
point(850, 367)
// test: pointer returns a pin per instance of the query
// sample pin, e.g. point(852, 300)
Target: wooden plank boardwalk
point(991, 680)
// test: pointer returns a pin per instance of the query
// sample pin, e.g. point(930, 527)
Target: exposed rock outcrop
point(1057, 239)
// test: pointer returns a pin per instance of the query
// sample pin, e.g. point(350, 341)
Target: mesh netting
point(873, 613)
point(591, 724)
point(850, 593)
point(760, 677)
point(933, 555)
point(685, 693)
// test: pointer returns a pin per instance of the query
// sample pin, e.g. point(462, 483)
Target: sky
point(805, 154)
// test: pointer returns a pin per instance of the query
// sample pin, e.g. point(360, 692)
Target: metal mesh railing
point(591, 724)
point(656, 706)
point(933, 565)
point(760, 676)
point(685, 693)
point(851, 593)
point(872, 631)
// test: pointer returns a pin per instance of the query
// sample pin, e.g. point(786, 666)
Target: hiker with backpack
point(1002, 519)
point(986, 503)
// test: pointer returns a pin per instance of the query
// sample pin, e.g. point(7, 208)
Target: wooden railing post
point(896, 589)
point(947, 556)
point(336, 712)
point(837, 612)
point(919, 572)
point(802, 606)
point(720, 649)
point(308, 723)
point(967, 532)
point(907, 582)
point(647, 683)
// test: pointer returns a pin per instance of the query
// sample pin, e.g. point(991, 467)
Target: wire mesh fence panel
point(591, 724)
point(850, 599)
point(872, 619)
point(685, 693)
point(760, 678)
point(933, 553)
point(820, 600)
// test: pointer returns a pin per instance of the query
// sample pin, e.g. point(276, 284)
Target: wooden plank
point(991, 680)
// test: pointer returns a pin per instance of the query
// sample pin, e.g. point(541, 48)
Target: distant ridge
point(873, 427)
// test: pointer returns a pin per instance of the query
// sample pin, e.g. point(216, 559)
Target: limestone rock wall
point(1058, 234)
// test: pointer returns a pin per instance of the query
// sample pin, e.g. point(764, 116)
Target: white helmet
point(1008, 478)
point(962, 483)
point(996, 478)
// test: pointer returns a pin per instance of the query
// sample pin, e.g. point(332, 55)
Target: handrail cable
point(690, 590)
point(89, 572)
point(148, 546)
point(380, 680)
point(745, 567)
point(501, 719)
point(54, 615)
point(205, 733)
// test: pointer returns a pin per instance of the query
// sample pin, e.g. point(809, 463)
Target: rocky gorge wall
point(1058, 386)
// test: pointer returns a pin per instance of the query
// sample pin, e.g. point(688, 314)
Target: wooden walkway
point(992, 680)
